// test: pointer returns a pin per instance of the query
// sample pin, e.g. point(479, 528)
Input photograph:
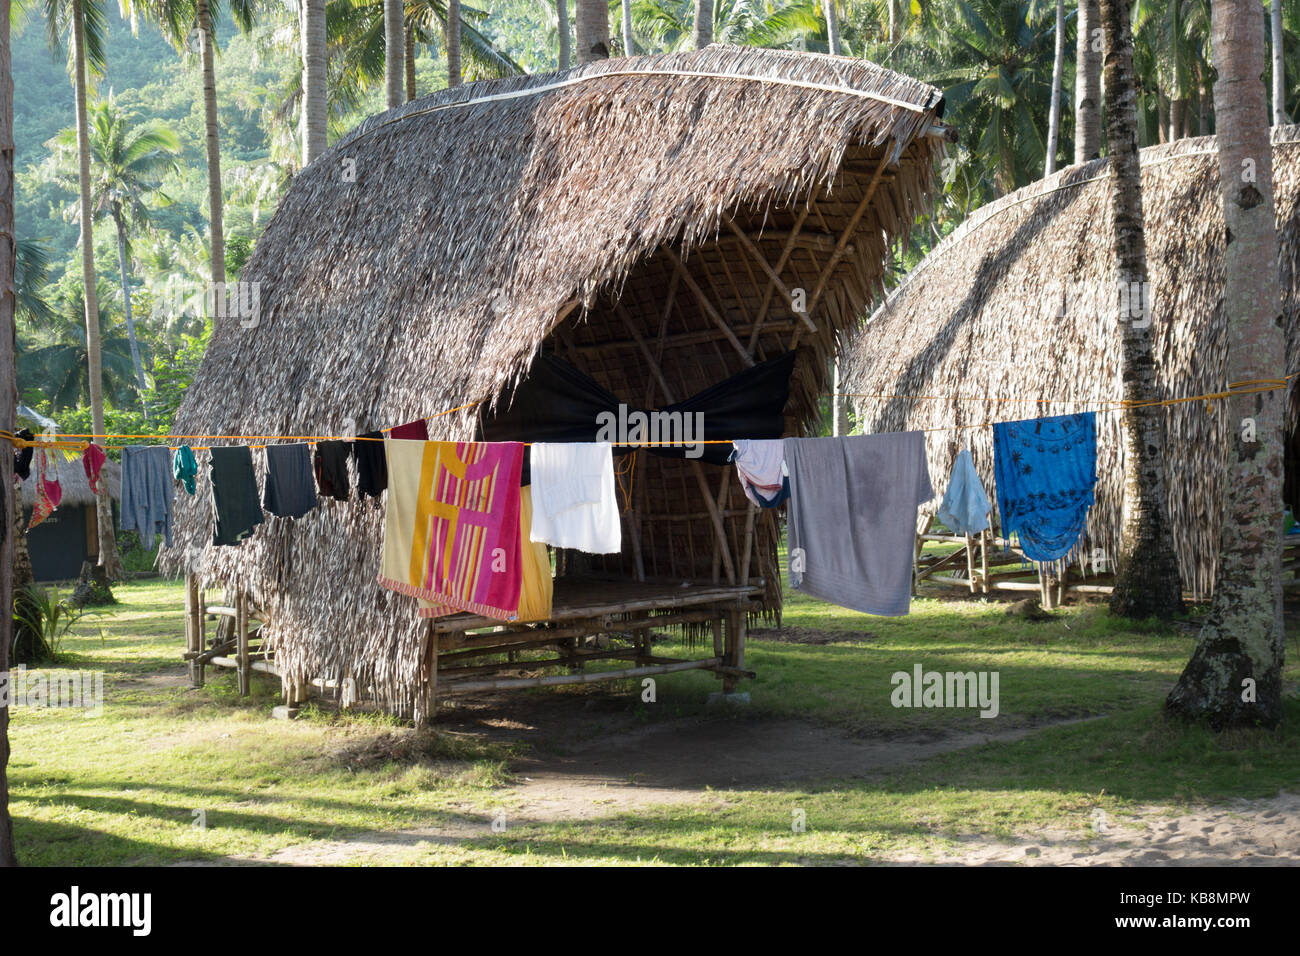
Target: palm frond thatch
point(1014, 316)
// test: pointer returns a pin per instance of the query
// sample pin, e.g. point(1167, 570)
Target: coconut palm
point(591, 29)
point(83, 22)
point(670, 24)
point(126, 164)
point(192, 22)
point(57, 370)
point(1234, 677)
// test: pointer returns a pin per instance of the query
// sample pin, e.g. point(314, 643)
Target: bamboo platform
point(592, 620)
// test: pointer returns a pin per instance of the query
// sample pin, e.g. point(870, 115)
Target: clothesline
point(1234, 388)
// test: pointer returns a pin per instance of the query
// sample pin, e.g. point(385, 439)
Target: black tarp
point(559, 403)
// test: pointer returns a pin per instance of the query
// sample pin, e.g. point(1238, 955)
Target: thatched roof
point(72, 479)
point(424, 260)
point(977, 323)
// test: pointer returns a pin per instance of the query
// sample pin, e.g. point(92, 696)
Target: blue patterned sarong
point(1046, 469)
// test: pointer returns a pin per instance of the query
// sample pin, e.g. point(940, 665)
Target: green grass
point(122, 788)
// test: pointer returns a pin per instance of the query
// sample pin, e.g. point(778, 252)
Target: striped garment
point(451, 532)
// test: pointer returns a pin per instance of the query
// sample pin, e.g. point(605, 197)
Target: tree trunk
point(591, 29)
point(8, 399)
point(453, 43)
point(1207, 106)
point(702, 31)
point(216, 200)
point(408, 58)
point(1147, 583)
point(895, 28)
point(562, 28)
point(1054, 111)
point(315, 105)
point(1279, 64)
point(126, 303)
point(1087, 84)
point(629, 46)
point(94, 361)
point(1234, 678)
point(832, 27)
point(394, 52)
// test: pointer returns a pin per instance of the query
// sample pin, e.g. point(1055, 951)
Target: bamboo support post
point(734, 652)
point(241, 644)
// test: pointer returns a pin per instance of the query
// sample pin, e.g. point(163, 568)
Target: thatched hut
point(1010, 317)
point(68, 537)
point(652, 221)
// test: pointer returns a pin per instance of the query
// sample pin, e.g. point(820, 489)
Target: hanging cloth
point(574, 504)
point(452, 525)
point(185, 468)
point(965, 507)
point(92, 460)
point(537, 587)
point(23, 457)
point(1046, 469)
point(48, 490)
point(852, 518)
point(234, 494)
point(332, 469)
point(290, 491)
point(372, 469)
point(760, 466)
point(147, 492)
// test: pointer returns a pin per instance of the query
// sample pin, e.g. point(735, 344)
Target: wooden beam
point(763, 264)
point(790, 244)
point(707, 306)
point(846, 234)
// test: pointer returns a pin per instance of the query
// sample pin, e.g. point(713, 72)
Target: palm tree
point(1148, 582)
point(702, 27)
point(997, 85)
point(591, 26)
point(1054, 111)
point(1087, 83)
point(394, 51)
point(315, 103)
point(83, 21)
point(452, 40)
point(669, 24)
point(1279, 62)
point(57, 370)
point(562, 28)
point(832, 27)
point(1234, 677)
point(179, 20)
point(126, 163)
point(7, 414)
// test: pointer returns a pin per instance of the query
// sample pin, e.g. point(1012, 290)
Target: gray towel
point(147, 492)
point(290, 490)
point(852, 517)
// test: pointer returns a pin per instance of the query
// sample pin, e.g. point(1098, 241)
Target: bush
point(41, 622)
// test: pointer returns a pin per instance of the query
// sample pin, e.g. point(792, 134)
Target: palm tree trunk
point(702, 32)
point(832, 27)
point(315, 109)
point(408, 58)
point(591, 29)
point(108, 559)
point(453, 43)
point(629, 47)
point(1147, 583)
point(216, 210)
point(562, 28)
point(126, 304)
point(8, 394)
point(394, 52)
point(895, 26)
point(1087, 84)
point(1234, 678)
point(1279, 65)
point(1054, 111)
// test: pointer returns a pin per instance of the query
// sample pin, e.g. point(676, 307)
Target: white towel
point(574, 504)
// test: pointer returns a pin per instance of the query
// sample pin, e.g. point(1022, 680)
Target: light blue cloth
point(147, 492)
point(965, 508)
point(1046, 469)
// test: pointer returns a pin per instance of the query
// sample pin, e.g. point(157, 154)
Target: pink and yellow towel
point(452, 530)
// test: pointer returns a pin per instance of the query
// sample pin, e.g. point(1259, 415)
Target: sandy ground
point(602, 763)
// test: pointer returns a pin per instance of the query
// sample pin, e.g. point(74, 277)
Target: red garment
point(417, 430)
point(48, 490)
point(92, 459)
